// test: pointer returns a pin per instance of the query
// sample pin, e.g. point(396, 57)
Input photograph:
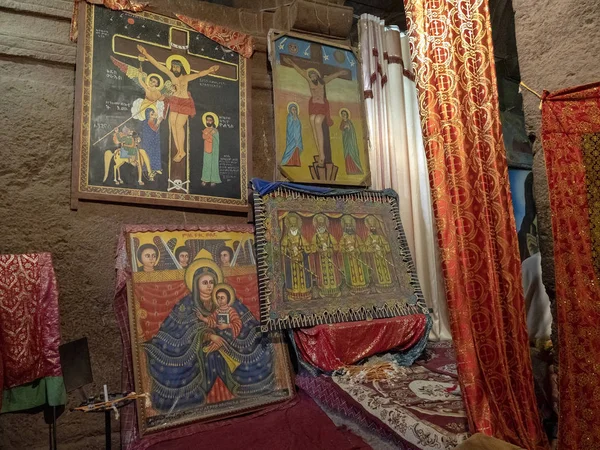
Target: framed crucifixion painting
point(320, 127)
point(197, 346)
point(162, 114)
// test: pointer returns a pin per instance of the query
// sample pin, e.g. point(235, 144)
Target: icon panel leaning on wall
point(197, 346)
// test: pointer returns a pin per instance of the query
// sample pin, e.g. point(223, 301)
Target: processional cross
point(317, 61)
point(179, 42)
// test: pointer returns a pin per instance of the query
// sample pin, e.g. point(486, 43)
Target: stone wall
point(559, 45)
point(37, 76)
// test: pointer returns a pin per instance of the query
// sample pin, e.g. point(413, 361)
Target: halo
point(208, 113)
point(161, 81)
point(320, 215)
point(289, 216)
point(152, 107)
point(222, 286)
point(345, 218)
point(295, 104)
point(371, 219)
point(198, 264)
point(347, 112)
point(184, 62)
point(312, 69)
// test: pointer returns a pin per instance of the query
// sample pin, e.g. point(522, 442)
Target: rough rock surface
point(559, 45)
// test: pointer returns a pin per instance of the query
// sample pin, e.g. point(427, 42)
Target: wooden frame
point(159, 312)
point(344, 159)
point(178, 183)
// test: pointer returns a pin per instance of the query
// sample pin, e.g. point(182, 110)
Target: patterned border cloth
point(29, 333)
point(571, 141)
point(331, 255)
point(237, 41)
point(415, 407)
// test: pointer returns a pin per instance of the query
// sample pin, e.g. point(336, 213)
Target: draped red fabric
point(29, 320)
point(330, 347)
point(451, 45)
point(571, 141)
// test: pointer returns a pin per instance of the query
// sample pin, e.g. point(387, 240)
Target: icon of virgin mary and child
point(209, 349)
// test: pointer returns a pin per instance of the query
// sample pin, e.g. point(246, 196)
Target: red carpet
point(301, 426)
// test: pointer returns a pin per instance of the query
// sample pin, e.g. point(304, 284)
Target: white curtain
point(397, 154)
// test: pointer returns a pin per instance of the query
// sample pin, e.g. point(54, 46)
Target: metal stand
point(51, 427)
point(98, 405)
point(107, 429)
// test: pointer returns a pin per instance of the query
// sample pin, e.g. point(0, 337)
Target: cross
point(179, 41)
point(317, 61)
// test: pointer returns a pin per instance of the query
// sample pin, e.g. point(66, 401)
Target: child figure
point(225, 316)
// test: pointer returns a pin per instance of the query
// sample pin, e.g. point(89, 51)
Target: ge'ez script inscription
point(229, 168)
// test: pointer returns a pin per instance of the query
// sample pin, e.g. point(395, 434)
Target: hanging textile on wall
point(571, 141)
point(30, 371)
point(237, 41)
point(455, 77)
point(397, 155)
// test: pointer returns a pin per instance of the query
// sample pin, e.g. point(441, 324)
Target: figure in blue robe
point(293, 138)
point(151, 140)
point(181, 366)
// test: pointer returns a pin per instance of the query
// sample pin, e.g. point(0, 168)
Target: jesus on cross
point(181, 105)
point(318, 105)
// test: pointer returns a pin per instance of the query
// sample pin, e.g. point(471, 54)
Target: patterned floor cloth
point(418, 407)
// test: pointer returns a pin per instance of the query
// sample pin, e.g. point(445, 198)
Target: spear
point(124, 122)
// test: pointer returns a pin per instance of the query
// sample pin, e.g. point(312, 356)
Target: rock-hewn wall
point(559, 47)
point(37, 77)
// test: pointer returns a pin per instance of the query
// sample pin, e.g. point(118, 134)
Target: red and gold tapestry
point(29, 333)
point(452, 51)
point(571, 141)
point(237, 41)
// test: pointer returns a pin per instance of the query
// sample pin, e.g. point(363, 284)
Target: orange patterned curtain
point(453, 58)
point(571, 140)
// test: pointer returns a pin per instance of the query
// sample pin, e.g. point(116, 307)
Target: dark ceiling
point(391, 11)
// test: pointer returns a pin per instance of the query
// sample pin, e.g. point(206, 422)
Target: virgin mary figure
point(191, 364)
point(293, 138)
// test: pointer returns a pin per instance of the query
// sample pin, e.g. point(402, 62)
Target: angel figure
point(155, 88)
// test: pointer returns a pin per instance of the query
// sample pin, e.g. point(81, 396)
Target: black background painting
point(113, 94)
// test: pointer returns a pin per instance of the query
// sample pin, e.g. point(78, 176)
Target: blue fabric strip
point(264, 187)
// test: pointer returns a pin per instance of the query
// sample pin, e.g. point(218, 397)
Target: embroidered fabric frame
point(164, 323)
point(285, 305)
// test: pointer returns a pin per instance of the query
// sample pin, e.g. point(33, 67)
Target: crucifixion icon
point(181, 66)
point(318, 73)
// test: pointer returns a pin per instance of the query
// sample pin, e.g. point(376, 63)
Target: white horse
point(138, 161)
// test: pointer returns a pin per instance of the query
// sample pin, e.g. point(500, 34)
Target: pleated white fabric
point(397, 155)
